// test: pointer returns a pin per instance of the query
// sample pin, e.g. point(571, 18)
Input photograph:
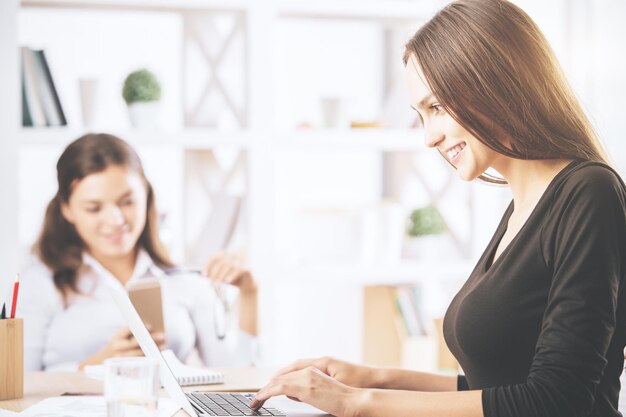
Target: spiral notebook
point(188, 375)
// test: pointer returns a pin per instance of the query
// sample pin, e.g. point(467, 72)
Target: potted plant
point(142, 92)
point(425, 229)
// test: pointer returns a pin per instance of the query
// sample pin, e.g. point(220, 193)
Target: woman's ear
point(67, 213)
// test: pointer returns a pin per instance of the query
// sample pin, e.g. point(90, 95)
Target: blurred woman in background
point(101, 228)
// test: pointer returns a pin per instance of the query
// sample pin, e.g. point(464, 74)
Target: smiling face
point(470, 156)
point(108, 210)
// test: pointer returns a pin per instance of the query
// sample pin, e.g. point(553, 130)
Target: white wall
point(588, 38)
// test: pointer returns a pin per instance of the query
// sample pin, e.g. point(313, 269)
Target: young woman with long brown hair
point(101, 228)
point(539, 327)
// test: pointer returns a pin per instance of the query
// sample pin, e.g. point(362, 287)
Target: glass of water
point(131, 387)
point(221, 310)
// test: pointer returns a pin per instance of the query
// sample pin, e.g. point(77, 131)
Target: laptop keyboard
point(228, 404)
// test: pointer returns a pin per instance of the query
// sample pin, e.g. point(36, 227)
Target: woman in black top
point(539, 327)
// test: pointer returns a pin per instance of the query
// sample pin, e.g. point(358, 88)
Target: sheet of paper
point(95, 372)
point(295, 408)
point(84, 406)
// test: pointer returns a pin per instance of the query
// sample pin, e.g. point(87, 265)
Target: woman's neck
point(529, 179)
point(121, 267)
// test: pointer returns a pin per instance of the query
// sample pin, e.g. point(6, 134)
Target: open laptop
point(198, 403)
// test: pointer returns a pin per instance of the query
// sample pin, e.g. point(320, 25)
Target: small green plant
point(141, 85)
point(425, 221)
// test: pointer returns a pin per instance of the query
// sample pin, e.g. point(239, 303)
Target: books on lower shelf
point(397, 333)
point(40, 101)
point(408, 302)
point(189, 375)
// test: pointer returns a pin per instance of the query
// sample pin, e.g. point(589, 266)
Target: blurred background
point(283, 132)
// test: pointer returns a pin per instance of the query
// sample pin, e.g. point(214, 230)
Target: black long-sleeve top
point(542, 330)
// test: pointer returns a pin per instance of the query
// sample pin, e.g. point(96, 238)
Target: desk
point(41, 385)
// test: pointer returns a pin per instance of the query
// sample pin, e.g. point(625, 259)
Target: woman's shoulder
point(36, 282)
point(35, 270)
point(592, 181)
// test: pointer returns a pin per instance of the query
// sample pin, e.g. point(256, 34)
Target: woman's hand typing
point(314, 387)
point(358, 376)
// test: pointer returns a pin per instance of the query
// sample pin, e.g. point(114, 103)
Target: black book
point(60, 119)
point(31, 89)
point(27, 120)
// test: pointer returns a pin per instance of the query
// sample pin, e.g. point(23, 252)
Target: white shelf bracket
point(214, 45)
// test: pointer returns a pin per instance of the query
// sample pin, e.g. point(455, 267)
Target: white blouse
point(58, 337)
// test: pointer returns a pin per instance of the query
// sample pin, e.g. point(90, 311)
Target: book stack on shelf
point(40, 102)
point(397, 334)
point(410, 320)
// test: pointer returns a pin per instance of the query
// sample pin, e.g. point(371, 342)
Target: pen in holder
point(11, 359)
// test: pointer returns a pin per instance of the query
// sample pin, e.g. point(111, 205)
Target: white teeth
point(453, 152)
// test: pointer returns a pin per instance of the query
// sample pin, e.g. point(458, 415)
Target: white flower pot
point(431, 247)
point(143, 114)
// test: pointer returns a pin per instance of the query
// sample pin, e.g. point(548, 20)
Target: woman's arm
point(363, 376)
point(121, 344)
point(248, 306)
point(402, 379)
point(314, 387)
point(229, 269)
point(392, 403)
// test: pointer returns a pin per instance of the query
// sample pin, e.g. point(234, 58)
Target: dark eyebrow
point(125, 195)
point(423, 101)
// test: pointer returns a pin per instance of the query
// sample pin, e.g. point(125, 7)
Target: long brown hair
point(59, 245)
point(492, 69)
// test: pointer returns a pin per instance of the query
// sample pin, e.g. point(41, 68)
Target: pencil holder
point(11, 359)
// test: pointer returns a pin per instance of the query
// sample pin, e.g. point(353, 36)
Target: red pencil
point(16, 287)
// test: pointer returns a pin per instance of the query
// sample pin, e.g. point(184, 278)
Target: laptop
point(198, 403)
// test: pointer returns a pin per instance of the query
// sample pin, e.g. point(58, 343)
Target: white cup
point(88, 98)
point(333, 115)
point(131, 387)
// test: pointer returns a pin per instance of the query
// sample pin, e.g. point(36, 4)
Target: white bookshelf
point(380, 10)
point(187, 139)
point(354, 9)
point(142, 5)
point(378, 140)
point(417, 271)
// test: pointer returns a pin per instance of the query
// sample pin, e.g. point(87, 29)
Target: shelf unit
point(379, 274)
point(316, 9)
point(257, 138)
point(382, 140)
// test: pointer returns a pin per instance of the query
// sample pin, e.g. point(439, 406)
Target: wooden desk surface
point(41, 385)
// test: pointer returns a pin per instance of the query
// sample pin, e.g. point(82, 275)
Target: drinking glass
point(221, 310)
point(131, 387)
